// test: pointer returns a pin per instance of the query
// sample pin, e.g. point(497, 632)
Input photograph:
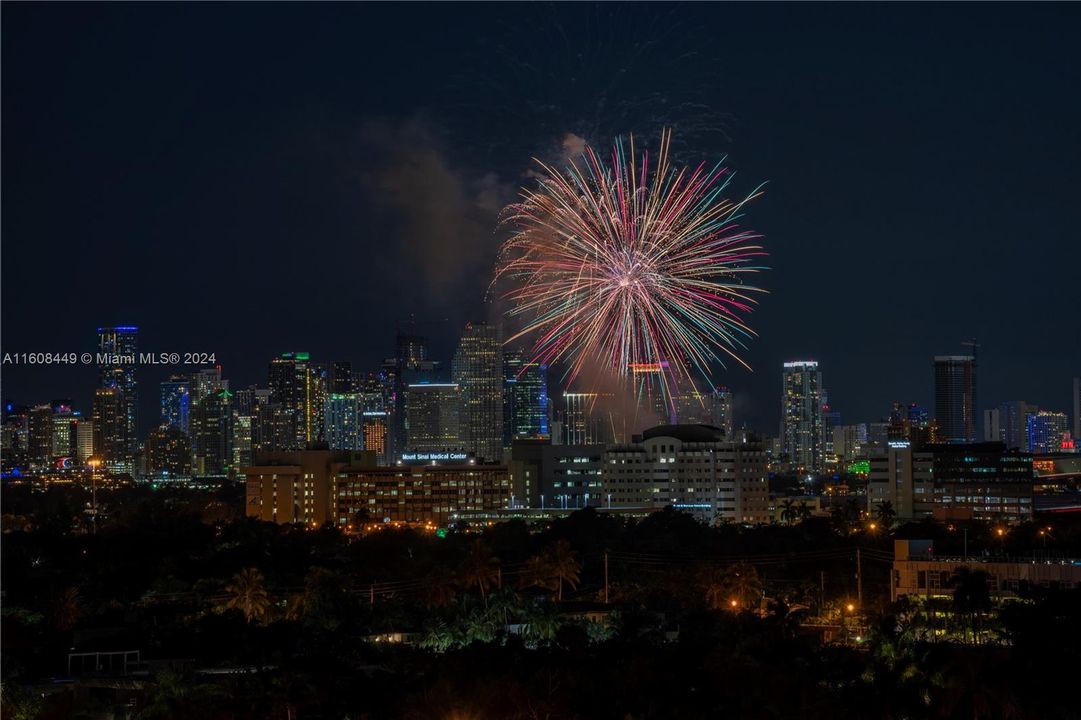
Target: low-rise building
point(918, 571)
point(692, 468)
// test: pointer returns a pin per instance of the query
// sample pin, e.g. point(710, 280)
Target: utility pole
point(859, 580)
point(605, 577)
point(371, 594)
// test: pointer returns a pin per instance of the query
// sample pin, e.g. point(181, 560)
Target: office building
point(65, 432)
point(433, 416)
point(421, 490)
point(289, 378)
point(15, 438)
point(84, 441)
point(207, 381)
point(921, 571)
point(992, 426)
point(344, 422)
point(654, 388)
point(40, 436)
point(478, 372)
point(340, 379)
point(1045, 432)
point(955, 398)
point(110, 420)
point(409, 352)
point(242, 444)
point(117, 358)
point(1077, 409)
point(692, 468)
point(293, 487)
point(1013, 422)
point(176, 402)
point(211, 434)
point(801, 416)
point(982, 481)
point(168, 452)
point(377, 435)
point(557, 476)
point(525, 399)
point(707, 408)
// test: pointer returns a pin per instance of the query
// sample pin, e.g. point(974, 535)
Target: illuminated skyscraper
point(168, 452)
point(801, 415)
point(176, 402)
point(433, 416)
point(1077, 410)
point(117, 356)
point(955, 398)
point(707, 408)
point(525, 399)
point(290, 382)
point(111, 444)
point(207, 381)
point(84, 441)
point(40, 436)
point(212, 434)
point(409, 352)
point(478, 372)
point(1045, 431)
point(376, 435)
point(344, 422)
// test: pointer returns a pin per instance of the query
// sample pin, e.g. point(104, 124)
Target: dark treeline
point(241, 619)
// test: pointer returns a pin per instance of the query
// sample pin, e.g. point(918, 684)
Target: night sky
point(248, 179)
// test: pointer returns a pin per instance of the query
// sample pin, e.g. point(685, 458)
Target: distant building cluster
point(418, 440)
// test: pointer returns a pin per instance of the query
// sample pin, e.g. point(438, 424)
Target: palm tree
point(66, 609)
point(788, 512)
point(481, 568)
point(440, 588)
point(742, 584)
point(885, 513)
point(563, 565)
point(247, 593)
point(970, 595)
point(804, 510)
point(712, 580)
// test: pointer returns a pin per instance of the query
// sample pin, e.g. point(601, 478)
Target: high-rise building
point(992, 425)
point(654, 387)
point(242, 441)
point(525, 399)
point(955, 398)
point(168, 452)
point(433, 416)
point(207, 381)
point(110, 416)
point(15, 438)
point(801, 415)
point(582, 419)
point(376, 435)
point(1013, 422)
point(176, 402)
point(117, 347)
point(1045, 431)
point(478, 371)
point(409, 352)
point(212, 434)
point(707, 408)
point(40, 436)
point(84, 441)
point(340, 379)
point(65, 431)
point(290, 381)
point(1077, 409)
point(344, 422)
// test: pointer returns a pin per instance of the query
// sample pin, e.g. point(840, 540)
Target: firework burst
point(631, 265)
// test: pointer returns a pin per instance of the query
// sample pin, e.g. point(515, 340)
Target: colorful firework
point(631, 265)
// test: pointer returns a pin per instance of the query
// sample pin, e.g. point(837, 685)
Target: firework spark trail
point(631, 265)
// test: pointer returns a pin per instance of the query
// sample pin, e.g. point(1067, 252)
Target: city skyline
point(338, 158)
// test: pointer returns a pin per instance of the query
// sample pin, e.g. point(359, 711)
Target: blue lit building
point(525, 399)
point(176, 403)
point(344, 422)
point(117, 356)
